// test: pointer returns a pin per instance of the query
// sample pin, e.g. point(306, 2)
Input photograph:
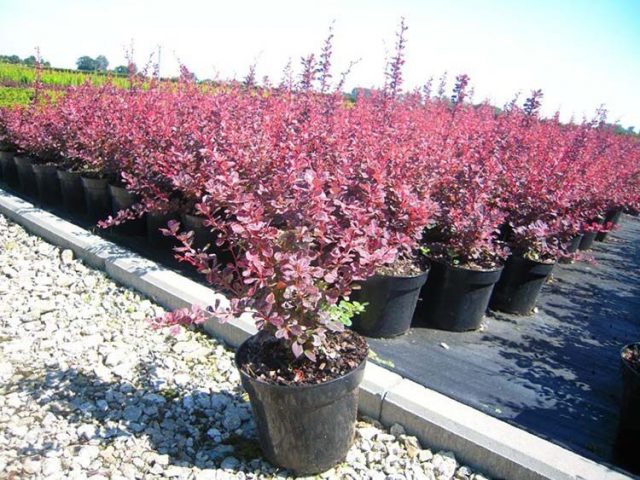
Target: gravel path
point(88, 390)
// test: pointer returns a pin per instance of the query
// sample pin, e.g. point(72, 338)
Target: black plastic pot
point(26, 177)
point(626, 451)
point(48, 183)
point(589, 237)
point(156, 221)
point(122, 199)
point(575, 243)
point(201, 235)
point(8, 168)
point(613, 217)
point(455, 298)
point(587, 240)
point(519, 285)
point(306, 428)
point(96, 195)
point(391, 305)
point(72, 191)
point(204, 236)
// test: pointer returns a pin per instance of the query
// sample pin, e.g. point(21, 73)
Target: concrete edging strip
point(479, 440)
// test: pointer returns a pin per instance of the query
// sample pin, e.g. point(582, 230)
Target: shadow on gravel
point(197, 429)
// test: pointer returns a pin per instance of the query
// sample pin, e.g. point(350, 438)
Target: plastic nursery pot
point(589, 237)
point(122, 199)
point(8, 168)
point(613, 217)
point(96, 195)
point(156, 221)
point(455, 298)
point(304, 428)
point(575, 243)
point(519, 285)
point(587, 240)
point(72, 191)
point(26, 177)
point(201, 235)
point(626, 450)
point(48, 183)
point(204, 236)
point(391, 304)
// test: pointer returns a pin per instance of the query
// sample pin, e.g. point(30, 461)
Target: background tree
point(10, 58)
point(86, 64)
point(101, 63)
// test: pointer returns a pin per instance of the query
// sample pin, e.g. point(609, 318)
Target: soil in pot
point(26, 177)
point(626, 451)
point(97, 199)
point(8, 169)
point(519, 285)
point(304, 426)
point(72, 191)
point(48, 183)
point(391, 298)
point(455, 298)
point(613, 217)
point(122, 199)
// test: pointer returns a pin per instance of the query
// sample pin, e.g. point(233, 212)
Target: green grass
point(15, 96)
point(24, 75)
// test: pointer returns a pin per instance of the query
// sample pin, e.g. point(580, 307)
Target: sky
point(582, 54)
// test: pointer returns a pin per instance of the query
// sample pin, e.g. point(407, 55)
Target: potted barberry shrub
point(8, 171)
point(590, 230)
point(303, 232)
point(19, 129)
point(404, 208)
point(534, 249)
point(611, 221)
point(463, 246)
point(629, 422)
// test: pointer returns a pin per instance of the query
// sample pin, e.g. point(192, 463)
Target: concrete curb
point(479, 440)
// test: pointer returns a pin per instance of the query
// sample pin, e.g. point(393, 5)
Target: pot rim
point(42, 166)
point(537, 262)
point(276, 386)
point(466, 269)
point(401, 277)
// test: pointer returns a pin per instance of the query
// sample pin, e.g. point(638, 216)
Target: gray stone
point(132, 413)
point(397, 430)
point(229, 463)
point(231, 421)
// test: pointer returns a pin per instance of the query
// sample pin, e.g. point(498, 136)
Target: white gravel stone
point(445, 465)
point(90, 391)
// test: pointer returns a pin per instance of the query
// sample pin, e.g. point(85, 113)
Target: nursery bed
point(556, 373)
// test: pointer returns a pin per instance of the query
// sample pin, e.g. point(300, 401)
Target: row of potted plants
point(314, 211)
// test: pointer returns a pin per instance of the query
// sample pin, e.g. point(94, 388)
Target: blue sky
point(581, 53)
